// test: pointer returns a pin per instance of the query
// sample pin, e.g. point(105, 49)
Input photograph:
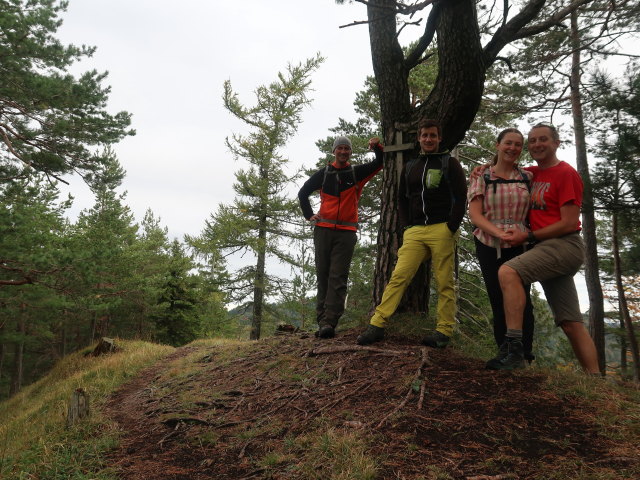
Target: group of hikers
point(527, 229)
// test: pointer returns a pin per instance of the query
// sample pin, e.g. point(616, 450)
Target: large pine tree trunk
point(592, 270)
point(457, 93)
point(454, 101)
point(622, 300)
point(392, 79)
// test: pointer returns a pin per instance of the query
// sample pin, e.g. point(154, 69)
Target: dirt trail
point(423, 413)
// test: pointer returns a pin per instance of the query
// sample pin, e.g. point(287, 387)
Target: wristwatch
point(531, 238)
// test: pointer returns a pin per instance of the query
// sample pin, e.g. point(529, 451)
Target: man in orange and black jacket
point(334, 235)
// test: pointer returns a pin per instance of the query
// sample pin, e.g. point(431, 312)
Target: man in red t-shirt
point(556, 197)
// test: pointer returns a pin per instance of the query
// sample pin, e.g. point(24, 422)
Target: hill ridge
point(293, 406)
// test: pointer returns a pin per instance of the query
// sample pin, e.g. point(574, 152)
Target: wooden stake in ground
point(78, 407)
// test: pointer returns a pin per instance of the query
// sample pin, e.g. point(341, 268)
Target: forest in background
point(64, 284)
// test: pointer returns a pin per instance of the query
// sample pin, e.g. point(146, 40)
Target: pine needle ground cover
point(293, 407)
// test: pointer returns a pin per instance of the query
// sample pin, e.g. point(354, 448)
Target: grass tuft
point(335, 454)
point(34, 442)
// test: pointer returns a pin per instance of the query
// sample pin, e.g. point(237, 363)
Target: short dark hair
point(428, 123)
point(554, 131)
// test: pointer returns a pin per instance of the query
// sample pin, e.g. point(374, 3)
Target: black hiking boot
point(436, 340)
point(503, 351)
point(371, 335)
point(510, 356)
point(326, 331)
point(529, 358)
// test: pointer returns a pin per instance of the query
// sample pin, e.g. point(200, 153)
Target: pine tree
point(101, 241)
point(260, 217)
point(617, 181)
point(177, 321)
point(49, 119)
point(32, 272)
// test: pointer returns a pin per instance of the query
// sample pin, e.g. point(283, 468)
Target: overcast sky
point(167, 62)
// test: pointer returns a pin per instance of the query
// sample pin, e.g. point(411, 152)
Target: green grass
point(34, 442)
point(334, 454)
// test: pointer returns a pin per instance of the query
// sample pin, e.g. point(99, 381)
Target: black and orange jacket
point(340, 190)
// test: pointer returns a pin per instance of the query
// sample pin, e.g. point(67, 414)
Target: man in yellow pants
point(432, 202)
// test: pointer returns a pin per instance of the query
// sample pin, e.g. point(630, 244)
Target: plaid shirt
point(507, 208)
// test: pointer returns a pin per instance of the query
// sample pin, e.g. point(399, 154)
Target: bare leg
point(513, 296)
point(582, 344)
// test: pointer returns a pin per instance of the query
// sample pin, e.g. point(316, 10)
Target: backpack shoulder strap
point(408, 166)
point(525, 179)
point(495, 181)
point(335, 172)
point(355, 180)
point(488, 181)
point(324, 177)
point(445, 161)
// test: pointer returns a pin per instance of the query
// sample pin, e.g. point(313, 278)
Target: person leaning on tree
point(334, 235)
point(432, 200)
point(557, 255)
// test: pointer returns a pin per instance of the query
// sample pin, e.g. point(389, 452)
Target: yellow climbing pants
point(420, 243)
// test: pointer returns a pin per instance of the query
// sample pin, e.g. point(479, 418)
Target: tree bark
point(78, 407)
point(392, 78)
point(258, 288)
point(457, 93)
point(454, 101)
point(18, 354)
point(592, 270)
point(623, 350)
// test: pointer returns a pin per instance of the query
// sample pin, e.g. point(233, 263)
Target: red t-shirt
point(551, 189)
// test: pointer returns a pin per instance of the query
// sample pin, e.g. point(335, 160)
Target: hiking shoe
point(326, 331)
point(436, 340)
point(371, 335)
point(494, 363)
point(510, 357)
point(529, 357)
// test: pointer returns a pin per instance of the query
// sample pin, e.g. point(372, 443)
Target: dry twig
point(354, 348)
point(419, 377)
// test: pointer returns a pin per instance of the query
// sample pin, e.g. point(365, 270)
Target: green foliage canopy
point(49, 119)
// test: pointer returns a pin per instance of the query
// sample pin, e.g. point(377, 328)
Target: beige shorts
point(553, 263)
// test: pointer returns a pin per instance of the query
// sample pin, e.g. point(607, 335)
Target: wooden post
point(400, 148)
point(78, 407)
point(416, 297)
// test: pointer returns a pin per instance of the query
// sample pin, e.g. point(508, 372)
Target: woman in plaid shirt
point(498, 201)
